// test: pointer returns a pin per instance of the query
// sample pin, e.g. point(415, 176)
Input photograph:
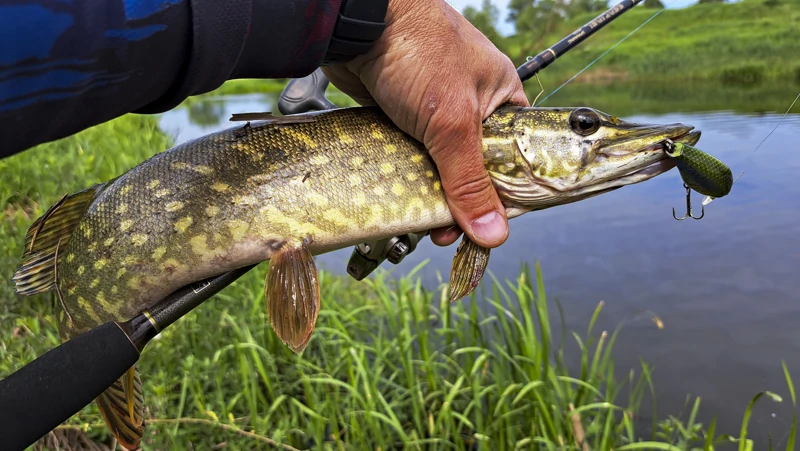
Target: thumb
point(456, 148)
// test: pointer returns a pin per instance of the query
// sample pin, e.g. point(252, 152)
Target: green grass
point(391, 365)
point(749, 42)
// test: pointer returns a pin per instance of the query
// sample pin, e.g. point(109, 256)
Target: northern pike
point(287, 188)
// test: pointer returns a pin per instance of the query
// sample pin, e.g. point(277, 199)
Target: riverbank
point(741, 43)
point(390, 362)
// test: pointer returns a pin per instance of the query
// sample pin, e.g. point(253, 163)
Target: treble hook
point(689, 207)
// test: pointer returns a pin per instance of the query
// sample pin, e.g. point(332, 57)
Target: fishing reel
point(308, 94)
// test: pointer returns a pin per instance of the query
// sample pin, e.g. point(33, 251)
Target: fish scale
point(288, 188)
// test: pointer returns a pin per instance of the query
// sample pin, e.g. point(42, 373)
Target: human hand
point(437, 77)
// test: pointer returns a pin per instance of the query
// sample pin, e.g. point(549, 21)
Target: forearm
point(66, 66)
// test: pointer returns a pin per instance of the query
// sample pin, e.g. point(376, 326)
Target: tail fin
point(37, 273)
point(122, 409)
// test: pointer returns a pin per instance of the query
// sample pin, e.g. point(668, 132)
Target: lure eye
point(584, 121)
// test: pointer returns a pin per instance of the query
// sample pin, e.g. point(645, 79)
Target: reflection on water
point(726, 287)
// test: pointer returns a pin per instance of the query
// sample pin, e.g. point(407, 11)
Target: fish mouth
point(645, 148)
point(662, 162)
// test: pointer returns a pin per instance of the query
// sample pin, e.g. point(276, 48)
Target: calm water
point(726, 287)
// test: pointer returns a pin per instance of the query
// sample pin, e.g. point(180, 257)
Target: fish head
point(544, 157)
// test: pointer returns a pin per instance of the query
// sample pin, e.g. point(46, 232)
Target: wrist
point(359, 25)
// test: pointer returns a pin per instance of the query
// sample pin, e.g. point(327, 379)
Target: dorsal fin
point(37, 275)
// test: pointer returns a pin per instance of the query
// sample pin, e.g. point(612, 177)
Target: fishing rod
point(548, 56)
point(41, 395)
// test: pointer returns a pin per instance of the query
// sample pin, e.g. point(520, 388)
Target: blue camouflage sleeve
point(66, 65)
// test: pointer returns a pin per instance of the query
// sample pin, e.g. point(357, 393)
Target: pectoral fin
point(469, 264)
point(122, 406)
point(292, 294)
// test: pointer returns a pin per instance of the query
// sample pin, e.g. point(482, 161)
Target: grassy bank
point(752, 41)
point(392, 365)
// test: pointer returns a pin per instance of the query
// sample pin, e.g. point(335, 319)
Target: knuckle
point(471, 190)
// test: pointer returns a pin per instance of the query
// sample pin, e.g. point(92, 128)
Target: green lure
point(701, 171)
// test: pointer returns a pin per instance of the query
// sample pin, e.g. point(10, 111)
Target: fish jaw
point(544, 157)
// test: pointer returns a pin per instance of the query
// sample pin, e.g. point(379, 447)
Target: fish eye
point(584, 121)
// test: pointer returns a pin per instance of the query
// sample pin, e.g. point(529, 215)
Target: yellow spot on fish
point(320, 160)
point(397, 189)
point(345, 138)
point(212, 211)
point(376, 216)
point(138, 239)
point(88, 309)
point(93, 246)
point(199, 245)
point(415, 209)
point(390, 148)
point(125, 225)
point(129, 260)
point(87, 232)
point(295, 227)
point(80, 270)
point(162, 192)
point(423, 189)
point(387, 168)
point(121, 272)
point(170, 264)
point(355, 179)
point(114, 289)
point(159, 252)
point(153, 183)
point(134, 282)
point(125, 189)
point(245, 200)
point(357, 161)
point(179, 165)
point(100, 264)
point(377, 134)
point(70, 258)
point(336, 216)
point(429, 174)
point(220, 187)
point(108, 241)
point(437, 186)
point(101, 297)
point(174, 206)
point(182, 224)
point(411, 176)
point(317, 199)
point(94, 283)
point(379, 191)
point(122, 208)
point(205, 170)
point(238, 228)
point(416, 158)
point(303, 137)
point(360, 199)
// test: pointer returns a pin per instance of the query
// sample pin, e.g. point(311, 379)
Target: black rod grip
point(49, 390)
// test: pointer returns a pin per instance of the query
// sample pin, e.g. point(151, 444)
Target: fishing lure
point(700, 172)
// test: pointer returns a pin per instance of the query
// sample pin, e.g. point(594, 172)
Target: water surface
point(726, 287)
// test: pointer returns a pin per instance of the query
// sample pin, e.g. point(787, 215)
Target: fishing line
point(773, 131)
point(603, 54)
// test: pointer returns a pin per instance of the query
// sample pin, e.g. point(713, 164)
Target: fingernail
point(489, 227)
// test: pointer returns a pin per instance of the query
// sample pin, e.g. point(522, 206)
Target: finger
point(456, 149)
point(445, 236)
